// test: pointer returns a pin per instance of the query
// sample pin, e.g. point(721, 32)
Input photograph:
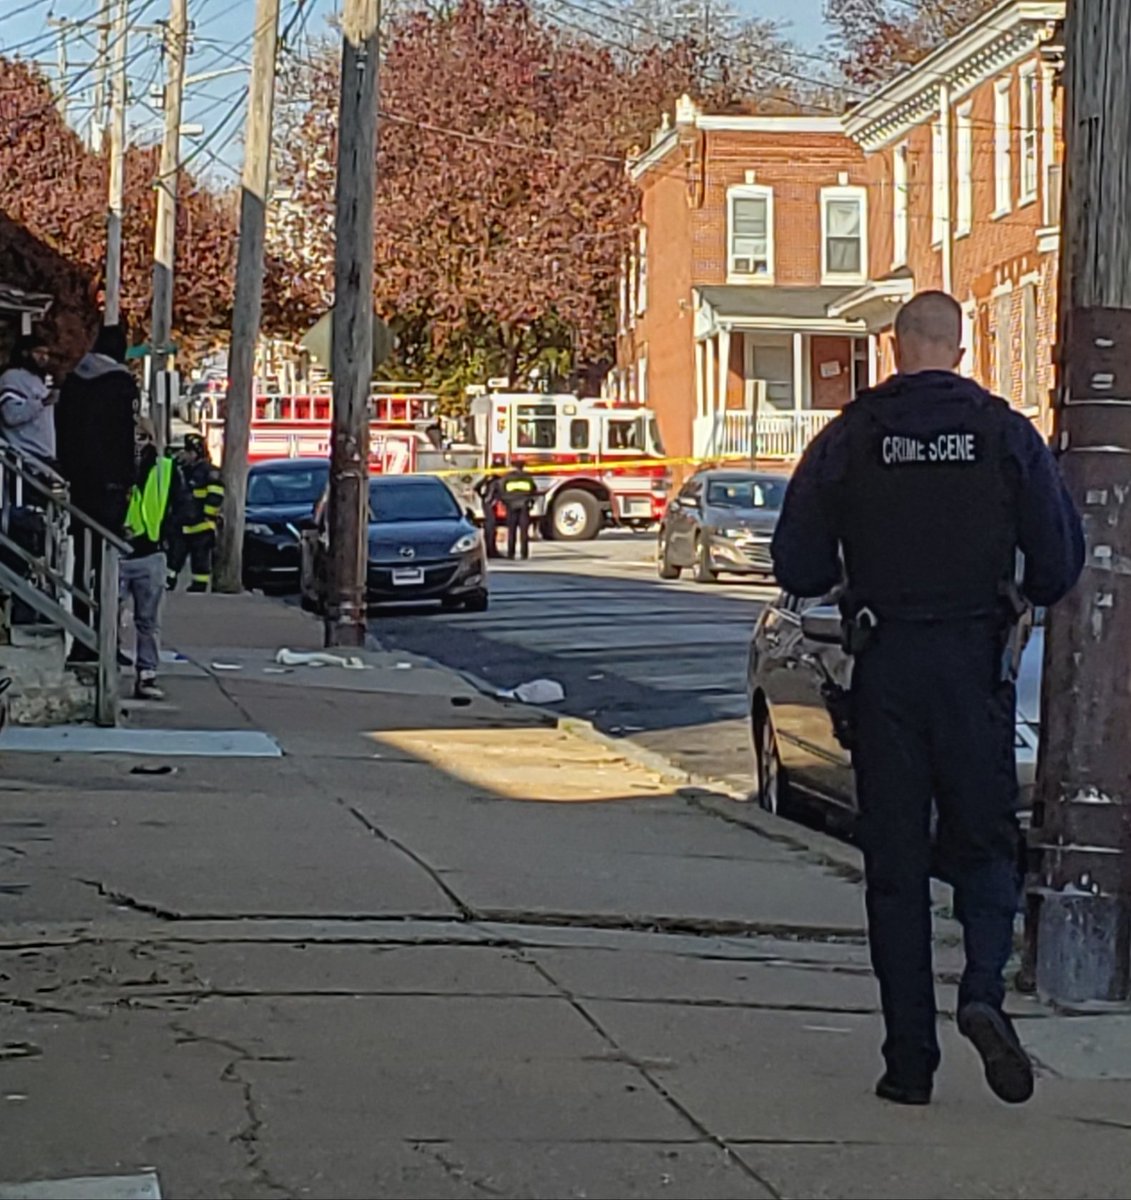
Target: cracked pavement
point(414, 958)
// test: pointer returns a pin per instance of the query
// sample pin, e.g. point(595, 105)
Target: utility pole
point(112, 307)
point(248, 303)
point(98, 116)
point(1083, 812)
point(63, 27)
point(352, 339)
point(165, 235)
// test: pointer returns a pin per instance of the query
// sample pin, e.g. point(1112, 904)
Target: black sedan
point(721, 521)
point(422, 546)
point(281, 497)
point(795, 655)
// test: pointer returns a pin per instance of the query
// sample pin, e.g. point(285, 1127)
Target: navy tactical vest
point(929, 524)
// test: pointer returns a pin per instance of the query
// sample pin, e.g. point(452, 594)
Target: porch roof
point(16, 300)
point(803, 309)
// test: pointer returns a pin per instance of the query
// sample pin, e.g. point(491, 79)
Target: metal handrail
point(45, 582)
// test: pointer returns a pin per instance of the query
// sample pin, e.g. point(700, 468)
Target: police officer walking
point(926, 487)
point(518, 491)
point(490, 496)
point(196, 539)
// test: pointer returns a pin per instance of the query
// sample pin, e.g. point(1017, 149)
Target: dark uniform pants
point(196, 549)
point(491, 529)
point(518, 526)
point(933, 722)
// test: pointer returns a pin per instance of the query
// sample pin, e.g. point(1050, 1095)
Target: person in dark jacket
point(518, 491)
point(915, 503)
point(490, 496)
point(195, 540)
point(154, 501)
point(94, 428)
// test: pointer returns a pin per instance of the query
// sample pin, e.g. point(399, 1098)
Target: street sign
point(318, 341)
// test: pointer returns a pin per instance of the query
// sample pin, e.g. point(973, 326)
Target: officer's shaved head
point(928, 334)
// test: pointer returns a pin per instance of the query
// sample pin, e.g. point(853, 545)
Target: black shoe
point(124, 659)
point(146, 689)
point(900, 1091)
point(198, 587)
point(1008, 1069)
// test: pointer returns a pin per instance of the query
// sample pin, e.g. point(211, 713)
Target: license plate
point(407, 575)
point(633, 506)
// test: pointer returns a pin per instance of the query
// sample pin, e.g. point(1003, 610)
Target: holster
point(838, 701)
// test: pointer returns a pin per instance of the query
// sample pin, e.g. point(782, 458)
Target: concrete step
point(44, 690)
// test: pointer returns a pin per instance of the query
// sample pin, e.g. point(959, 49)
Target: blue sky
point(222, 40)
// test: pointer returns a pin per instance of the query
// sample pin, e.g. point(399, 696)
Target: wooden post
point(165, 233)
point(1082, 819)
point(352, 341)
point(106, 698)
point(113, 291)
point(249, 295)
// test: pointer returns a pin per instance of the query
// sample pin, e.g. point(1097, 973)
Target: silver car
point(721, 520)
point(795, 652)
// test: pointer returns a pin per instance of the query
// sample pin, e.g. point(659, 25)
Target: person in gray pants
point(154, 500)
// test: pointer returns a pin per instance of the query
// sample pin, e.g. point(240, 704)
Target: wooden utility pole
point(63, 28)
point(1083, 811)
point(113, 291)
point(248, 304)
point(165, 234)
point(352, 340)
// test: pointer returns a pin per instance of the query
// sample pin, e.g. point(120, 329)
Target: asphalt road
point(661, 663)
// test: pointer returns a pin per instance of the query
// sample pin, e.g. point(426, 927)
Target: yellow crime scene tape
point(621, 464)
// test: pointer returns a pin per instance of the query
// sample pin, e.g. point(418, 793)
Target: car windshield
point(418, 500)
point(746, 493)
point(286, 489)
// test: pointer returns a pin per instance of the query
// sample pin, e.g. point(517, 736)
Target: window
point(402, 499)
point(1028, 145)
point(750, 231)
point(285, 488)
point(625, 434)
point(642, 271)
point(579, 433)
point(1030, 396)
point(899, 207)
point(964, 170)
point(1003, 349)
point(843, 215)
point(535, 426)
point(1003, 181)
point(771, 360)
point(746, 493)
point(939, 185)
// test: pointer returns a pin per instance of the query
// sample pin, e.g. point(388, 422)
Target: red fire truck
point(595, 463)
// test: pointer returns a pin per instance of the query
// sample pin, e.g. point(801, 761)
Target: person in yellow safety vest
point(196, 539)
point(518, 490)
point(150, 517)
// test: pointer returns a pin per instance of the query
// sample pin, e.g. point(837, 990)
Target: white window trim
point(642, 271)
point(940, 185)
point(751, 191)
point(642, 380)
point(844, 192)
point(1028, 84)
point(1003, 145)
point(900, 229)
point(964, 179)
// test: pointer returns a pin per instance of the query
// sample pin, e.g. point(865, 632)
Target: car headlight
point(258, 530)
point(465, 544)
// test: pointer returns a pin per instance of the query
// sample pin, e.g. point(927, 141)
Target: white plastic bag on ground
point(537, 691)
point(318, 658)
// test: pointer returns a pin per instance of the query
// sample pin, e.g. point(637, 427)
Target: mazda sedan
point(795, 654)
point(721, 521)
point(422, 546)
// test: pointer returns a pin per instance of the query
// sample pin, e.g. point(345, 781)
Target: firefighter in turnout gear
point(196, 539)
point(914, 503)
point(518, 491)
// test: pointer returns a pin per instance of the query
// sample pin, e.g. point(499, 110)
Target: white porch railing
point(737, 434)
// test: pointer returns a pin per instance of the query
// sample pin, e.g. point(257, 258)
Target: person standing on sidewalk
point(925, 488)
point(487, 489)
point(518, 491)
point(94, 424)
point(153, 502)
point(196, 537)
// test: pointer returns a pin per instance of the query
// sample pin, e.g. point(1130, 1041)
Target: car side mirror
point(823, 624)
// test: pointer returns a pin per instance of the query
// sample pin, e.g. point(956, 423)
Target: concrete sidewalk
point(443, 948)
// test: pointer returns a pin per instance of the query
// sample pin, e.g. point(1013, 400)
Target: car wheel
point(576, 516)
point(773, 781)
point(477, 602)
point(704, 573)
point(664, 566)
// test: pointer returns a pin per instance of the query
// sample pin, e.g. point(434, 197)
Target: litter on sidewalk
point(536, 691)
point(318, 658)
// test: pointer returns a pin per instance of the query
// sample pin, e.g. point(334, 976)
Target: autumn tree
point(875, 39)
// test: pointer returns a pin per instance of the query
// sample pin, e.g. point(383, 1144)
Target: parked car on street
point(281, 499)
point(795, 652)
point(721, 520)
point(422, 546)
